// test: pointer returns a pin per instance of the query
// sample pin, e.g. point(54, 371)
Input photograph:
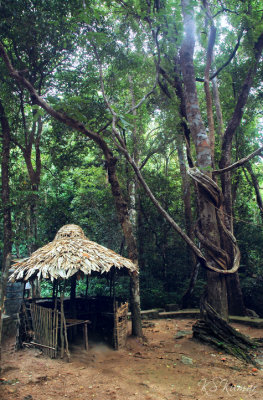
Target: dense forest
point(141, 121)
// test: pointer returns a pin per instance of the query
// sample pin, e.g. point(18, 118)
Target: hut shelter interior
point(53, 323)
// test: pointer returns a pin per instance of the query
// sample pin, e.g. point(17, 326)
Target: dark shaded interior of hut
point(58, 324)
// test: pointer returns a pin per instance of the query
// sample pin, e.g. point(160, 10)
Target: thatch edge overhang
point(67, 256)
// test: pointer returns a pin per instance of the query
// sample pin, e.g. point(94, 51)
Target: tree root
point(213, 330)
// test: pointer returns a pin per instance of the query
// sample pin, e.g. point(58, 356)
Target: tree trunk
point(186, 299)
point(219, 116)
point(236, 304)
point(33, 139)
point(123, 215)
point(216, 283)
point(235, 297)
point(186, 195)
point(7, 224)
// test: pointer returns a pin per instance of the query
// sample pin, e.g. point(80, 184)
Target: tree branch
point(240, 105)
point(256, 188)
point(133, 108)
point(232, 55)
point(60, 116)
point(238, 163)
point(154, 151)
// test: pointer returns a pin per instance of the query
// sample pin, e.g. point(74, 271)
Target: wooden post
point(54, 325)
point(56, 334)
point(85, 331)
point(66, 339)
point(62, 323)
point(87, 286)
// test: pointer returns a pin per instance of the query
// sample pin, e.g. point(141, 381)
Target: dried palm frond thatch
point(71, 252)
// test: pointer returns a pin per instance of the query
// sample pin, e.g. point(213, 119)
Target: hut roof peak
point(70, 231)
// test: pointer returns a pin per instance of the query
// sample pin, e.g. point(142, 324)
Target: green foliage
point(54, 41)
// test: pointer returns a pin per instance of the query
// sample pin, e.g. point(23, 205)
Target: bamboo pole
point(53, 332)
point(54, 323)
point(43, 330)
point(49, 332)
point(56, 334)
point(44, 321)
point(38, 323)
point(40, 345)
point(66, 338)
point(62, 322)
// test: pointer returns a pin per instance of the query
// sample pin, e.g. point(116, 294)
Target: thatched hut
point(71, 255)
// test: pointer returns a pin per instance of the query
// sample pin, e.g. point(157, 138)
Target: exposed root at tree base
point(213, 330)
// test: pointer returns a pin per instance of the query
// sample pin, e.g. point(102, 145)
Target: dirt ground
point(146, 370)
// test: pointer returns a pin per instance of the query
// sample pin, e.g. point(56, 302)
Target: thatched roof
point(70, 253)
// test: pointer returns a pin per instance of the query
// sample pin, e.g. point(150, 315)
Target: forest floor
point(153, 369)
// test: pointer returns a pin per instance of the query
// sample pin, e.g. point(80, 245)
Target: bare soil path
point(153, 369)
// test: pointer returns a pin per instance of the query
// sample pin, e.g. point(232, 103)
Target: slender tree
point(7, 223)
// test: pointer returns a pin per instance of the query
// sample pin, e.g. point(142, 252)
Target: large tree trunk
point(217, 238)
point(208, 225)
point(7, 224)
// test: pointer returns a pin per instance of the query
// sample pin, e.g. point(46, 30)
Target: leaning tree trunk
point(7, 224)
